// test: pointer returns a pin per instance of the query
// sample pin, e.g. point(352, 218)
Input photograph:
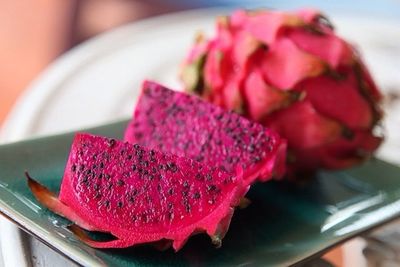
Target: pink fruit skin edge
point(214, 224)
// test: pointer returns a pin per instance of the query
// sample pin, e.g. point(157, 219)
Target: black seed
point(109, 186)
point(219, 116)
point(199, 157)
point(81, 167)
point(122, 152)
point(150, 176)
point(184, 193)
point(107, 203)
point(107, 176)
point(129, 157)
point(196, 195)
point(199, 177)
point(153, 169)
point(73, 168)
point(145, 164)
point(172, 166)
point(251, 148)
point(133, 167)
point(185, 184)
point(131, 199)
point(97, 195)
point(111, 142)
point(120, 182)
point(187, 206)
point(211, 187)
point(152, 159)
point(120, 204)
point(152, 153)
point(256, 159)
point(101, 165)
point(96, 186)
point(136, 146)
point(134, 218)
point(170, 191)
point(84, 179)
point(208, 177)
point(159, 187)
point(134, 192)
point(145, 172)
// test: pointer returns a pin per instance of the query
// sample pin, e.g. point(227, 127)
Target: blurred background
point(34, 33)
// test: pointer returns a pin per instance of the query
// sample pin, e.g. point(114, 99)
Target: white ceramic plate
point(98, 81)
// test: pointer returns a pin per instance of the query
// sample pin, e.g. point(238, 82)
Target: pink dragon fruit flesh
point(186, 125)
point(292, 73)
point(141, 195)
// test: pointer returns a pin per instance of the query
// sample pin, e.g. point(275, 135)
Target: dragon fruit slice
point(140, 195)
point(290, 72)
point(186, 125)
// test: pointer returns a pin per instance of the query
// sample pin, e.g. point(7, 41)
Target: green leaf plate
point(285, 223)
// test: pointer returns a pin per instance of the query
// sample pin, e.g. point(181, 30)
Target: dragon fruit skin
point(141, 196)
point(292, 73)
point(186, 125)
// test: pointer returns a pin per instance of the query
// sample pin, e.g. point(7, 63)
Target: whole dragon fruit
point(141, 195)
point(186, 125)
point(292, 73)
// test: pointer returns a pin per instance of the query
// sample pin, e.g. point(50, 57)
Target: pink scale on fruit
point(300, 58)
